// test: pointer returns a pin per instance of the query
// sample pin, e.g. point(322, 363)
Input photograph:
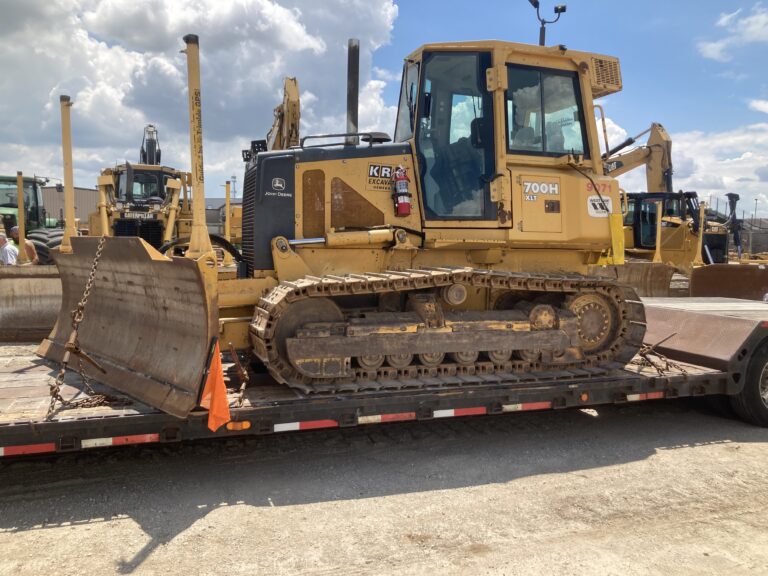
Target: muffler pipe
point(353, 90)
point(69, 186)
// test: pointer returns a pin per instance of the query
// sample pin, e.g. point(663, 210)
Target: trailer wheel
point(751, 404)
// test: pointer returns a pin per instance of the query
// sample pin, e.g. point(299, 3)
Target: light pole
point(754, 214)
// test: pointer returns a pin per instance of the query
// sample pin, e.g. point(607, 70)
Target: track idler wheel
point(597, 319)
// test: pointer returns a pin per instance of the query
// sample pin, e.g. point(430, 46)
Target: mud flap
point(30, 298)
point(745, 281)
point(148, 321)
point(647, 278)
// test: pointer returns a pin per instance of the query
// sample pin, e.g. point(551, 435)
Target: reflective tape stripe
point(451, 412)
point(119, 440)
point(645, 396)
point(27, 449)
point(526, 406)
point(380, 418)
point(307, 425)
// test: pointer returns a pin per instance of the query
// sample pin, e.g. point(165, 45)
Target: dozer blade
point(30, 298)
point(147, 321)
point(647, 278)
point(746, 281)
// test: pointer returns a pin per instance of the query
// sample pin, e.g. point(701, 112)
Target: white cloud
point(749, 29)
point(386, 75)
point(120, 62)
point(726, 19)
point(759, 105)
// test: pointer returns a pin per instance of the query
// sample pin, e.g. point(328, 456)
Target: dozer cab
point(144, 199)
point(469, 245)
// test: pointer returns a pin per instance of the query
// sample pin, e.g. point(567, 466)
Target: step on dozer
point(148, 321)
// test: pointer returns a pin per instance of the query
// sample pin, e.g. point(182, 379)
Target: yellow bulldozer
point(469, 245)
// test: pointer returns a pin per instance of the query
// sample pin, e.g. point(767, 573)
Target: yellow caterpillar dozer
point(480, 241)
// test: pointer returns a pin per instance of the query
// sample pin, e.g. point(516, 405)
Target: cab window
point(407, 108)
point(544, 113)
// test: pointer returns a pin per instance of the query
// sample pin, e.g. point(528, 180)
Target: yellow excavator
point(469, 245)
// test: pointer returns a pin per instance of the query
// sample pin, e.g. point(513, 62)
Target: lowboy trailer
point(696, 347)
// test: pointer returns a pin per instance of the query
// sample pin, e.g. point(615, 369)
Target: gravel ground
point(660, 488)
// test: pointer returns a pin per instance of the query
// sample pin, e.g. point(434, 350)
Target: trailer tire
point(751, 404)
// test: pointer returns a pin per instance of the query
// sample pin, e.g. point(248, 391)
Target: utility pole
point(754, 214)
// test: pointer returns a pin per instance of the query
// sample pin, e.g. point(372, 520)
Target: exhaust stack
point(199, 243)
point(69, 189)
point(353, 89)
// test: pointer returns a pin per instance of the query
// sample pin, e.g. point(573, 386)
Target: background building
point(85, 203)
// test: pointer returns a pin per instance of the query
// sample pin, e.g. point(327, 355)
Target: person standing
point(8, 252)
point(29, 246)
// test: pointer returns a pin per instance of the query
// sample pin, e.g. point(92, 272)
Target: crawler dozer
point(469, 245)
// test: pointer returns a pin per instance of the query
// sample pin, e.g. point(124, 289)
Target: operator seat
point(457, 170)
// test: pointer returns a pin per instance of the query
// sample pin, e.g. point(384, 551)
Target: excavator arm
point(655, 155)
point(285, 126)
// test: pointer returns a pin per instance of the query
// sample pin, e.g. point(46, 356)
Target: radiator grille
point(249, 213)
point(606, 76)
point(151, 231)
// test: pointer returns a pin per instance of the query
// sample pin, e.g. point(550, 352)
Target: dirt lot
point(661, 488)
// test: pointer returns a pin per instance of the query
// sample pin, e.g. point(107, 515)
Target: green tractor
point(44, 232)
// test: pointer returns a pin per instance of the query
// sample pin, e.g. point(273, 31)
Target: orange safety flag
point(215, 393)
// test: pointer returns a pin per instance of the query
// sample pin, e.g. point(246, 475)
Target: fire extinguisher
point(402, 195)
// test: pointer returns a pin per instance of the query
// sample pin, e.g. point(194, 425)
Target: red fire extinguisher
point(402, 195)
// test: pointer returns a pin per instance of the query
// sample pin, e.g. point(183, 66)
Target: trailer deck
point(269, 407)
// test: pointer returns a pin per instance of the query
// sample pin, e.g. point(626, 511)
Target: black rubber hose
point(215, 239)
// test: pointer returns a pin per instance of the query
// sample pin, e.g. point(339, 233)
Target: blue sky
point(666, 78)
point(697, 67)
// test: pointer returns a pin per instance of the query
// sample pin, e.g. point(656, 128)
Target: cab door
point(455, 141)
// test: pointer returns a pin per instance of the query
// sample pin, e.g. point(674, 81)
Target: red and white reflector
point(526, 406)
point(645, 396)
point(306, 425)
point(119, 440)
point(382, 418)
point(27, 449)
point(451, 412)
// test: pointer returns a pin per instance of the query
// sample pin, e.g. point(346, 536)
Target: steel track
point(628, 335)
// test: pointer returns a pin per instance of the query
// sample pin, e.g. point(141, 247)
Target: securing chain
point(648, 357)
point(72, 346)
point(242, 373)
